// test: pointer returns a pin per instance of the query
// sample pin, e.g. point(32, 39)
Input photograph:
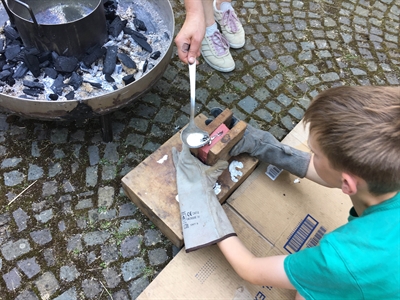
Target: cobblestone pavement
point(73, 234)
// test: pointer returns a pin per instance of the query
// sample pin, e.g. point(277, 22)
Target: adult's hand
point(188, 41)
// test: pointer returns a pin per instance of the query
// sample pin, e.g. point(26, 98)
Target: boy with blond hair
point(355, 143)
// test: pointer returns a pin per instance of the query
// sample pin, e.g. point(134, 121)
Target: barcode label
point(317, 237)
point(301, 234)
point(273, 172)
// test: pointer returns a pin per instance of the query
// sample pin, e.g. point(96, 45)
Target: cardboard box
point(271, 218)
point(205, 274)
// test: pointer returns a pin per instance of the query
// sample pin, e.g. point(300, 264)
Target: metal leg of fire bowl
point(106, 128)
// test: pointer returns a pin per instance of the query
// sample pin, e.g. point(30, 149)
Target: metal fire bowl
point(107, 103)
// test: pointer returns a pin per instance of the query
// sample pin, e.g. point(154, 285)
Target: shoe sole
point(236, 46)
point(225, 70)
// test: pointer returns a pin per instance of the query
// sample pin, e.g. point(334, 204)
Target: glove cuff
point(299, 163)
point(188, 248)
point(208, 224)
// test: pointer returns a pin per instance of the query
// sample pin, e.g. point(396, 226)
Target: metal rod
point(106, 128)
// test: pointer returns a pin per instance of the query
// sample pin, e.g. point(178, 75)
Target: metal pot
point(68, 29)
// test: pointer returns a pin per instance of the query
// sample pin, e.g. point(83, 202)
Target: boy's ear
point(349, 184)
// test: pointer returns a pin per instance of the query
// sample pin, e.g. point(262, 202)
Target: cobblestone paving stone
point(75, 235)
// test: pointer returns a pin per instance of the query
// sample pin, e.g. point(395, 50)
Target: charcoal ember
point(66, 64)
point(33, 64)
point(5, 74)
point(24, 96)
point(58, 85)
point(29, 50)
point(9, 66)
point(110, 60)
point(130, 31)
point(14, 42)
point(142, 42)
point(10, 80)
point(126, 60)
point(33, 84)
point(54, 55)
point(75, 81)
point(11, 33)
point(50, 72)
point(44, 64)
point(128, 79)
point(128, 64)
point(12, 51)
point(139, 25)
point(137, 34)
point(21, 71)
point(109, 78)
point(93, 54)
point(110, 4)
point(2, 46)
point(45, 56)
point(70, 95)
point(110, 9)
point(139, 38)
point(53, 97)
point(3, 62)
point(146, 62)
point(155, 55)
point(94, 84)
point(116, 26)
point(32, 92)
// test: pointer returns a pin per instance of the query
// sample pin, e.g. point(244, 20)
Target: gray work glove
point(204, 221)
point(267, 148)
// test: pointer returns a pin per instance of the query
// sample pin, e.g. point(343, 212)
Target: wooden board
point(152, 186)
point(221, 147)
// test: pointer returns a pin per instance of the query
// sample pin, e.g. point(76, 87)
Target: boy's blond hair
point(358, 129)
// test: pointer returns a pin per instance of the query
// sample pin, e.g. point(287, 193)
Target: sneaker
point(231, 27)
point(215, 51)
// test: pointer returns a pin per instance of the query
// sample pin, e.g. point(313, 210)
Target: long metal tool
point(191, 135)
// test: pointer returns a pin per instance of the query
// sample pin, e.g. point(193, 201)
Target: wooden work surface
point(152, 186)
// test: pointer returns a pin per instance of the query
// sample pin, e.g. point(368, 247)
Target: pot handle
point(10, 15)
point(27, 7)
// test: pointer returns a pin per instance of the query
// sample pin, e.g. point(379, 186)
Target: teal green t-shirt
point(359, 260)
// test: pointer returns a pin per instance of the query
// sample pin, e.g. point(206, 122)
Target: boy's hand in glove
point(204, 221)
point(267, 148)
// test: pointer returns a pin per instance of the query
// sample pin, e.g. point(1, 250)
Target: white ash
point(159, 42)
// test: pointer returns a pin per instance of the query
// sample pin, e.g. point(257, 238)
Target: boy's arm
point(267, 148)
point(256, 270)
point(313, 175)
point(195, 183)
